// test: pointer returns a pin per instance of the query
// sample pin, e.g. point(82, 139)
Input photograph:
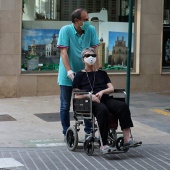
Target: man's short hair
point(89, 49)
point(77, 14)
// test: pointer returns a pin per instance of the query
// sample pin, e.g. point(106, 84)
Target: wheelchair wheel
point(89, 146)
point(119, 144)
point(71, 138)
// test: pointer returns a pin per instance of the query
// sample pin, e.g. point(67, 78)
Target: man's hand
point(70, 74)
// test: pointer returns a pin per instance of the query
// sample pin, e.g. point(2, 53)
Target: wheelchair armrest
point(119, 94)
point(119, 91)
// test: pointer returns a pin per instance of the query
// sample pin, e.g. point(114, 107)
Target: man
point(72, 40)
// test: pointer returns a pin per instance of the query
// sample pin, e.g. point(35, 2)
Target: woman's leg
point(101, 113)
point(121, 111)
point(126, 135)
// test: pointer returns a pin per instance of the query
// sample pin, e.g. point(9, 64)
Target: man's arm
point(65, 59)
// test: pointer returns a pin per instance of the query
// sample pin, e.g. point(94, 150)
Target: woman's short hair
point(89, 49)
point(77, 14)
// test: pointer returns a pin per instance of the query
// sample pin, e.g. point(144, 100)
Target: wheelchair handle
point(79, 90)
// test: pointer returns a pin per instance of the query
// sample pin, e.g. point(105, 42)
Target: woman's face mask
point(90, 59)
point(85, 25)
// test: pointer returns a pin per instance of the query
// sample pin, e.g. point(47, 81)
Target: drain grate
point(51, 117)
point(6, 118)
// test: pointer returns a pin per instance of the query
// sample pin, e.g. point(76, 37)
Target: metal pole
point(129, 51)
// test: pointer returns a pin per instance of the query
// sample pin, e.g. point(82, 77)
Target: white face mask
point(90, 60)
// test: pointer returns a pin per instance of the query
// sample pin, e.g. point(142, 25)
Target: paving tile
point(25, 138)
point(146, 157)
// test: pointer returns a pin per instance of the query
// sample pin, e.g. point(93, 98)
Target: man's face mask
point(90, 58)
point(85, 25)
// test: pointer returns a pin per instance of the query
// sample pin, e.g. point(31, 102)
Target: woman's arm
point(80, 96)
point(110, 89)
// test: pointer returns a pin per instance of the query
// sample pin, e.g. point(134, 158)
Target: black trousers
point(118, 108)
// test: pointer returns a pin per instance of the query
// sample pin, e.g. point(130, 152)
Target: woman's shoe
point(131, 143)
point(106, 149)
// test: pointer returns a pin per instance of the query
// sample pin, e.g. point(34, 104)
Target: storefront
point(29, 30)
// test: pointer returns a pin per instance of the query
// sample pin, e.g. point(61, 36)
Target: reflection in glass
point(45, 9)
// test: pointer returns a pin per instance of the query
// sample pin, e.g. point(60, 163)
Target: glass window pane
point(166, 38)
point(42, 20)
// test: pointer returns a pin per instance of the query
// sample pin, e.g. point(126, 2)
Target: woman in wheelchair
point(98, 83)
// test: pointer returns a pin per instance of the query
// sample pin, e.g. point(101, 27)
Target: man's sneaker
point(106, 149)
point(87, 136)
point(96, 139)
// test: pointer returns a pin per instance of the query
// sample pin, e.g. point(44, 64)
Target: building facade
point(151, 59)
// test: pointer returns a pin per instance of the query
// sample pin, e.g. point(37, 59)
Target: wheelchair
point(82, 109)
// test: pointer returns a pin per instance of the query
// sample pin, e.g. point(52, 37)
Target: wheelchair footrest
point(133, 146)
point(116, 152)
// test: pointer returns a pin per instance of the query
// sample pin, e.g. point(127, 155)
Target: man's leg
point(88, 126)
point(65, 99)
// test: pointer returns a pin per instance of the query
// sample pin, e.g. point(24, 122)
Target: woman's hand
point(99, 95)
point(95, 99)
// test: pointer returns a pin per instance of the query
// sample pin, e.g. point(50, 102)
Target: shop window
point(42, 20)
point(166, 38)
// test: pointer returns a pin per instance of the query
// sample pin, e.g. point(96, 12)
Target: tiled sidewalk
point(37, 142)
point(146, 157)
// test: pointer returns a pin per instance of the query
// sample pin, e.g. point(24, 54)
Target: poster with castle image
point(114, 36)
point(40, 45)
point(118, 50)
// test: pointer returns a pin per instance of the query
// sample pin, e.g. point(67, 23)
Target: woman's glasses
point(88, 55)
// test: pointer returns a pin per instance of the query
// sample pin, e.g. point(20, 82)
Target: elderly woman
point(98, 83)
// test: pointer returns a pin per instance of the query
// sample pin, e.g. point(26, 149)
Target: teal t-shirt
point(68, 37)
